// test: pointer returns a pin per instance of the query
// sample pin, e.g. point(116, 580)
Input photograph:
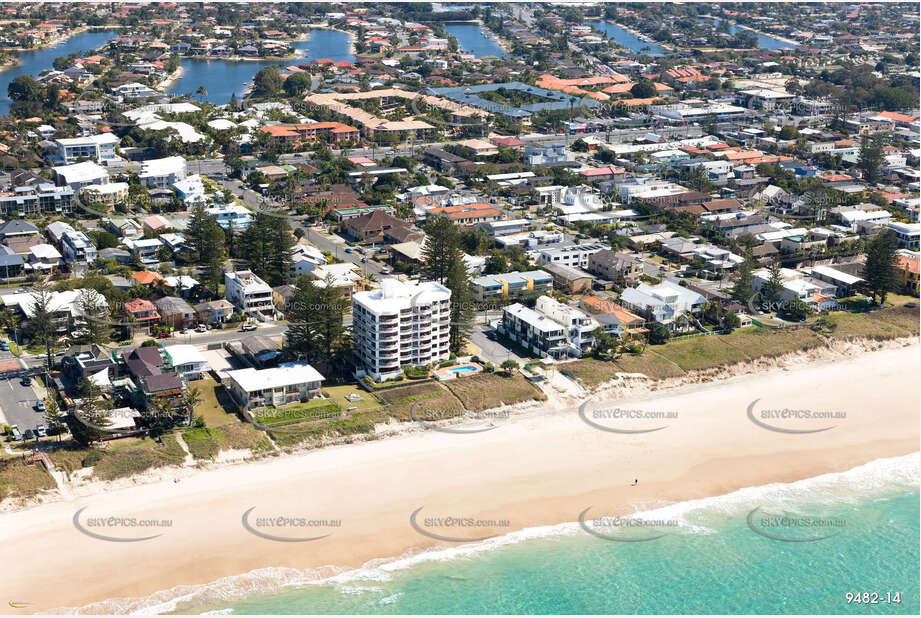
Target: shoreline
point(536, 469)
point(640, 35)
point(795, 44)
point(171, 79)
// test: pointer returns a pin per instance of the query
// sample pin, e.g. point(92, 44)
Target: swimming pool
point(457, 371)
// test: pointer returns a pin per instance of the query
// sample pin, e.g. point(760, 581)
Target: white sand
point(540, 468)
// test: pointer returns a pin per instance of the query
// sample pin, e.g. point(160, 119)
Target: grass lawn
point(338, 394)
point(134, 456)
point(903, 317)
point(210, 408)
point(758, 342)
point(19, 480)
point(434, 398)
point(490, 390)
point(205, 443)
point(650, 365)
point(879, 324)
point(699, 353)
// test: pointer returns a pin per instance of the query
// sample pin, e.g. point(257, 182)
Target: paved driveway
point(492, 351)
point(18, 404)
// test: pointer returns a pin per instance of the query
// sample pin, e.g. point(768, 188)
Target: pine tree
point(94, 313)
point(315, 330)
point(771, 290)
point(742, 290)
point(42, 320)
point(266, 245)
point(206, 239)
point(870, 157)
point(441, 241)
point(879, 270)
point(458, 281)
point(52, 417)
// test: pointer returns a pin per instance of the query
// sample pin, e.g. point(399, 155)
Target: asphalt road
point(259, 202)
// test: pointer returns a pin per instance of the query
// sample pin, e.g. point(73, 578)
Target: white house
point(250, 294)
point(663, 302)
point(187, 361)
point(162, 172)
point(79, 175)
point(287, 383)
point(100, 147)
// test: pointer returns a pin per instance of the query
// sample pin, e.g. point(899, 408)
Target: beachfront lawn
point(208, 442)
point(434, 397)
point(215, 406)
point(591, 372)
point(19, 480)
point(699, 353)
point(338, 394)
point(489, 390)
point(879, 324)
point(134, 456)
point(758, 342)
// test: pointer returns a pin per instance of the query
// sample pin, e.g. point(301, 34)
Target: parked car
point(248, 326)
point(40, 406)
point(26, 381)
point(201, 329)
point(28, 435)
point(364, 260)
point(16, 433)
point(5, 346)
point(163, 336)
point(41, 431)
point(386, 270)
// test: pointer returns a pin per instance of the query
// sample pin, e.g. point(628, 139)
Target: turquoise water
point(35, 61)
point(627, 38)
point(461, 370)
point(712, 563)
point(470, 39)
point(222, 78)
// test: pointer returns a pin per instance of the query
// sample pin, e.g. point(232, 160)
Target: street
point(258, 203)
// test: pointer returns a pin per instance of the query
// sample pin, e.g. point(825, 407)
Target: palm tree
point(201, 92)
point(191, 399)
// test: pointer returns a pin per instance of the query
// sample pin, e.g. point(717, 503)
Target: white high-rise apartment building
point(400, 324)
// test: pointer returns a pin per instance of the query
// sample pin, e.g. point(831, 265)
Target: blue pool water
point(461, 370)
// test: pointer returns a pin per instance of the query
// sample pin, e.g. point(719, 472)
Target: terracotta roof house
point(379, 227)
point(143, 312)
point(147, 278)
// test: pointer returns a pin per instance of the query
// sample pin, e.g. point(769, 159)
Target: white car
point(248, 326)
point(201, 328)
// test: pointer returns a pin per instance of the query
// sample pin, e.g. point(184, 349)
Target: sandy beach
point(540, 468)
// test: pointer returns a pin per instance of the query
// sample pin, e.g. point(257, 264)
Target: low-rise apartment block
point(511, 284)
point(99, 148)
point(277, 386)
point(248, 293)
point(550, 329)
point(570, 254)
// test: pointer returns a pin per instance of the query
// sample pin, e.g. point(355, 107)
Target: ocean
point(811, 547)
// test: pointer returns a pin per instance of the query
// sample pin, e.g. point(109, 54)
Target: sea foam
point(869, 481)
